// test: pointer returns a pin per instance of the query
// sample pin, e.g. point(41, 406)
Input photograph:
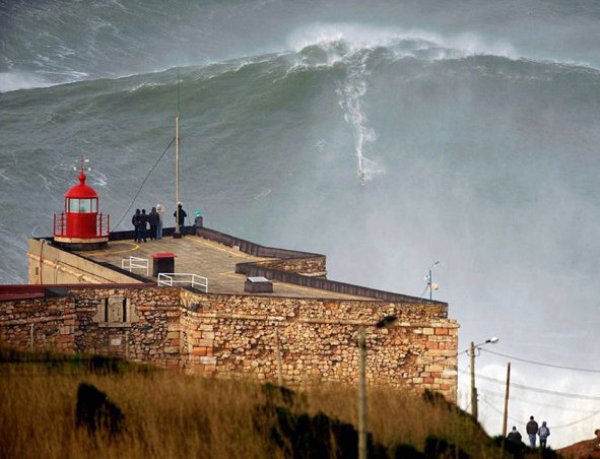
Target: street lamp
point(386, 322)
point(492, 340)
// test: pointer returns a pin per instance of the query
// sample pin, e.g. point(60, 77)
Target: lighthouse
point(80, 226)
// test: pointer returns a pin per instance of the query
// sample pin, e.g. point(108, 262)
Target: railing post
point(108, 224)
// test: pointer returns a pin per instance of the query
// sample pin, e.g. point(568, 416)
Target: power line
point(560, 426)
point(578, 421)
point(534, 362)
point(534, 402)
point(144, 182)
point(516, 421)
point(537, 389)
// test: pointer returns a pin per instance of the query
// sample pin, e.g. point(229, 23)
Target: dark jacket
point(532, 427)
point(514, 436)
point(136, 220)
point(153, 218)
point(182, 215)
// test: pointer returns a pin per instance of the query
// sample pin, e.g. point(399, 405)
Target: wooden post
point(506, 395)
point(278, 356)
point(473, 389)
point(362, 394)
point(31, 336)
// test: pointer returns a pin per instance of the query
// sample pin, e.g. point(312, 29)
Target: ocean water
point(386, 135)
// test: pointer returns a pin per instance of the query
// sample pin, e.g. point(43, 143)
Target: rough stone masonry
point(294, 341)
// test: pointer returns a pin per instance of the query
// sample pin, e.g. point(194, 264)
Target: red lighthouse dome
point(80, 225)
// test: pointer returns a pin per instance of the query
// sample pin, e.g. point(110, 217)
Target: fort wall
point(283, 340)
point(51, 265)
point(301, 341)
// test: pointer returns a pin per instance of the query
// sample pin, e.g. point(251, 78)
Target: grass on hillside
point(171, 415)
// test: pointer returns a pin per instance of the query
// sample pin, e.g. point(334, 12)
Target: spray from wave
point(406, 42)
point(351, 93)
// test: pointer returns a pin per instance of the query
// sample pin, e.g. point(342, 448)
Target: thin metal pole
point(177, 229)
point(430, 285)
point(473, 388)
point(362, 395)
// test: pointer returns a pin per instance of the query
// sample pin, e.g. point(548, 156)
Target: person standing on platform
point(136, 221)
point(143, 225)
point(532, 430)
point(197, 222)
point(153, 219)
point(160, 210)
point(182, 215)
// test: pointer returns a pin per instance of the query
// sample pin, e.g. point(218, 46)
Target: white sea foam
point(351, 92)
point(357, 36)
point(13, 81)
point(99, 179)
point(5, 177)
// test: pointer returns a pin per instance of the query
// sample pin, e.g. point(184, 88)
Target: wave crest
point(351, 38)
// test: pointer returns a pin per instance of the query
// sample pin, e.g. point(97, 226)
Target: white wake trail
point(351, 93)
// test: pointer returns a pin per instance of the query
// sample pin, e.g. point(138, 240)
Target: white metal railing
point(194, 280)
point(132, 263)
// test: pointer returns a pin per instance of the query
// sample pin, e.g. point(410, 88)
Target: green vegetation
point(171, 415)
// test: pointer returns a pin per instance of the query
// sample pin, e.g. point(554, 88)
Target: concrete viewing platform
point(203, 257)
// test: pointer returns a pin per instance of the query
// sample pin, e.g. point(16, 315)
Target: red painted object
point(80, 223)
point(163, 255)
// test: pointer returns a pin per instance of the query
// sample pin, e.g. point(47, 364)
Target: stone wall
point(288, 340)
point(309, 266)
point(79, 322)
point(302, 341)
point(39, 323)
point(150, 333)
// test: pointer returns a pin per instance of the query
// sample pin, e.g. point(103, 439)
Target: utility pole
point(506, 395)
point(362, 394)
point(386, 322)
point(473, 388)
point(492, 340)
point(278, 356)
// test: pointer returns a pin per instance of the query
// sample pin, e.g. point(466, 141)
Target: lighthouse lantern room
point(80, 226)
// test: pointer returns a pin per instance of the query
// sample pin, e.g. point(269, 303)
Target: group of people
point(533, 431)
point(155, 220)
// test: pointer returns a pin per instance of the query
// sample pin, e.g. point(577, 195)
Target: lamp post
point(492, 340)
point(386, 322)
